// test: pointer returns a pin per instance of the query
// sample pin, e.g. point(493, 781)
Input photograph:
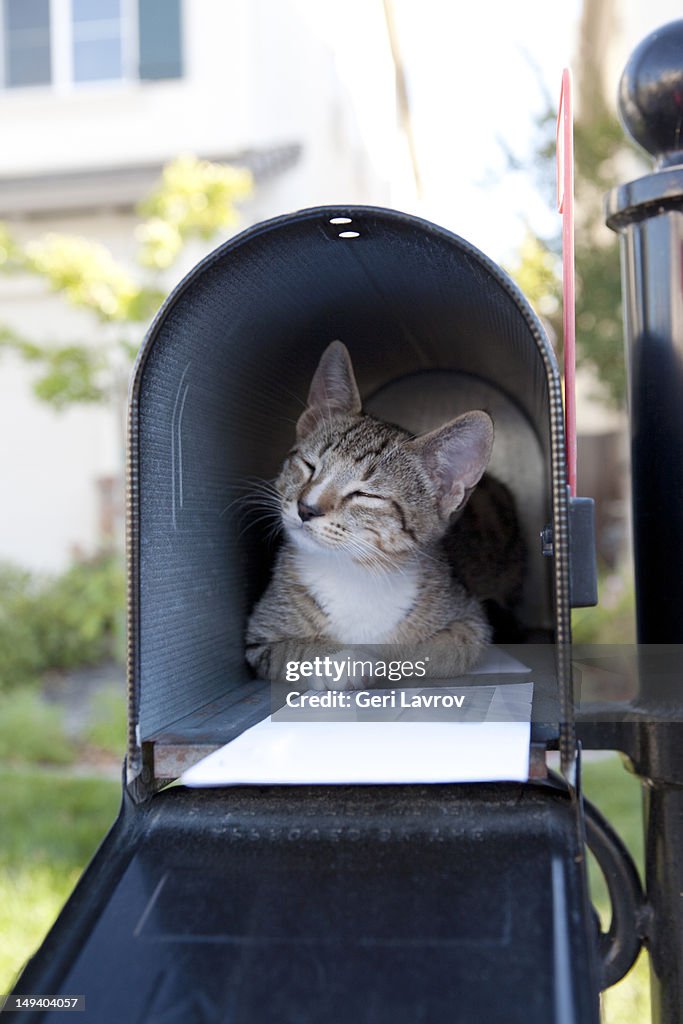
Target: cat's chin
point(304, 539)
point(306, 542)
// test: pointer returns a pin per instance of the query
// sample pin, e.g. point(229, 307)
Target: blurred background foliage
point(194, 199)
point(60, 622)
point(600, 149)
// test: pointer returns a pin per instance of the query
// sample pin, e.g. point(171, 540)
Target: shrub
point(108, 727)
point(20, 655)
point(80, 612)
point(33, 731)
point(61, 622)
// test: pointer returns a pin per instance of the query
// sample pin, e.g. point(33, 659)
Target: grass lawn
point(51, 825)
point(617, 794)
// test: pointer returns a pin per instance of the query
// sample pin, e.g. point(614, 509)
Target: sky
point(478, 77)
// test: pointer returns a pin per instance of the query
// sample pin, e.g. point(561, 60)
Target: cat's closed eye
point(303, 463)
point(366, 495)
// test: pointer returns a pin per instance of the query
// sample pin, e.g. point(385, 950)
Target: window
point(26, 26)
point(159, 38)
point(65, 43)
point(96, 40)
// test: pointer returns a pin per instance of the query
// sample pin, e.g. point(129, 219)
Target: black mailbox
point(323, 903)
point(433, 327)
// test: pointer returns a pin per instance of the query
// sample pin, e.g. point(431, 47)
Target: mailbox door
point(360, 904)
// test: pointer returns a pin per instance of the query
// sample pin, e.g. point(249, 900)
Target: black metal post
point(648, 214)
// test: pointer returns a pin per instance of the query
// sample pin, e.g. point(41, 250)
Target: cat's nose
point(307, 512)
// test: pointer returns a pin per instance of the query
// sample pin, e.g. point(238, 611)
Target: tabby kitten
point(366, 508)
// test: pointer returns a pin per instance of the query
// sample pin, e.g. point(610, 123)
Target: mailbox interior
point(433, 327)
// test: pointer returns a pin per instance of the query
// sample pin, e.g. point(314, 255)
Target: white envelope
point(330, 752)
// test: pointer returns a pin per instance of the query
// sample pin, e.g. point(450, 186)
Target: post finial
point(651, 94)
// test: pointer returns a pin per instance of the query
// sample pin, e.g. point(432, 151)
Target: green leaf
point(194, 199)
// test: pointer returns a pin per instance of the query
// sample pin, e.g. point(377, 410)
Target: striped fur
point(367, 513)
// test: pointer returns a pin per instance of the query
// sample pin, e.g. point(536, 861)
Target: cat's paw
point(348, 681)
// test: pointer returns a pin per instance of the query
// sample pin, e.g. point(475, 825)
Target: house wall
point(257, 75)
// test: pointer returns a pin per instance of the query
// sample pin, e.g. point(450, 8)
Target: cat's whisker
point(270, 491)
point(259, 494)
point(245, 499)
point(255, 522)
point(274, 530)
point(258, 491)
point(268, 514)
point(247, 512)
point(248, 482)
point(292, 394)
point(286, 419)
point(430, 558)
point(371, 558)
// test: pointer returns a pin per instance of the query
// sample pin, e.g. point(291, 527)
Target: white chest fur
point(362, 606)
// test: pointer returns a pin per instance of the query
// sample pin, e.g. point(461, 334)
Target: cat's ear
point(333, 390)
point(455, 457)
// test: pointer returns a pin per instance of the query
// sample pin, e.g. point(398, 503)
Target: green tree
point(599, 148)
point(194, 199)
